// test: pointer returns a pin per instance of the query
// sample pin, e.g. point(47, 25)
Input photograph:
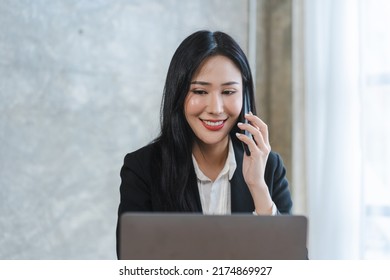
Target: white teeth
point(213, 123)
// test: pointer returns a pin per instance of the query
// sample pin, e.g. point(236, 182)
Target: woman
point(198, 164)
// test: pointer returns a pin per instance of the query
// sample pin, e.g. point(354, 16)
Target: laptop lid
point(200, 237)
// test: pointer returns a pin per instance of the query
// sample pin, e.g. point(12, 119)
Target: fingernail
point(238, 134)
point(240, 123)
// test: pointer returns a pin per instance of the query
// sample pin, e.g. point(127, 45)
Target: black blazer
point(140, 177)
point(140, 180)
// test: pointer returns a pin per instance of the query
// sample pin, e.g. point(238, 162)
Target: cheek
point(193, 105)
point(235, 105)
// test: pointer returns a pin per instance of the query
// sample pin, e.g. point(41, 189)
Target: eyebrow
point(207, 83)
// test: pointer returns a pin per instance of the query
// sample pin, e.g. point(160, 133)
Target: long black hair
point(176, 137)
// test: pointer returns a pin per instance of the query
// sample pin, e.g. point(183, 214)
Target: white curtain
point(333, 128)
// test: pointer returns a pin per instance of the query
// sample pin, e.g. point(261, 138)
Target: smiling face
point(214, 100)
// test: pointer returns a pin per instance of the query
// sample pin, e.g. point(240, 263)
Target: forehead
point(218, 67)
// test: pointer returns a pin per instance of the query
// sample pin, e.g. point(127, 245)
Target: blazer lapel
point(241, 198)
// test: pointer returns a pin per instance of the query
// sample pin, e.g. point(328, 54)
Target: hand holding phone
point(255, 161)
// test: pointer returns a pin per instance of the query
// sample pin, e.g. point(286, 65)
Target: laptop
point(201, 237)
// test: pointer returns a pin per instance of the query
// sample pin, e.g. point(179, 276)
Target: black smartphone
point(246, 105)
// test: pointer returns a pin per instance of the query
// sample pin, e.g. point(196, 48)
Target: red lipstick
point(213, 125)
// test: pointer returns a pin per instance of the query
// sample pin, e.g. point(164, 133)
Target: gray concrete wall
point(80, 86)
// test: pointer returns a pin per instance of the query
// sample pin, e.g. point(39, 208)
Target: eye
point(199, 91)
point(228, 91)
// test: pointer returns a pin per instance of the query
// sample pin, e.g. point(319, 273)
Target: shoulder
point(143, 156)
point(274, 162)
point(138, 177)
point(275, 172)
point(275, 177)
point(143, 163)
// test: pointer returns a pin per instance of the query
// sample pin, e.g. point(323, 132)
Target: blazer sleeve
point(275, 176)
point(135, 191)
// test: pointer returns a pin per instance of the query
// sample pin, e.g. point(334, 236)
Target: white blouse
point(215, 196)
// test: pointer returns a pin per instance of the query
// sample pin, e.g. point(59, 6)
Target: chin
point(212, 140)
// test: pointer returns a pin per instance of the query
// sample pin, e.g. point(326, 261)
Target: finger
point(248, 141)
point(256, 134)
point(257, 122)
point(262, 126)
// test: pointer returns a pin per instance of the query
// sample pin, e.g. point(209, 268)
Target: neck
point(211, 155)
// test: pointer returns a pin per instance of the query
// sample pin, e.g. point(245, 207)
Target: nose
point(215, 104)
